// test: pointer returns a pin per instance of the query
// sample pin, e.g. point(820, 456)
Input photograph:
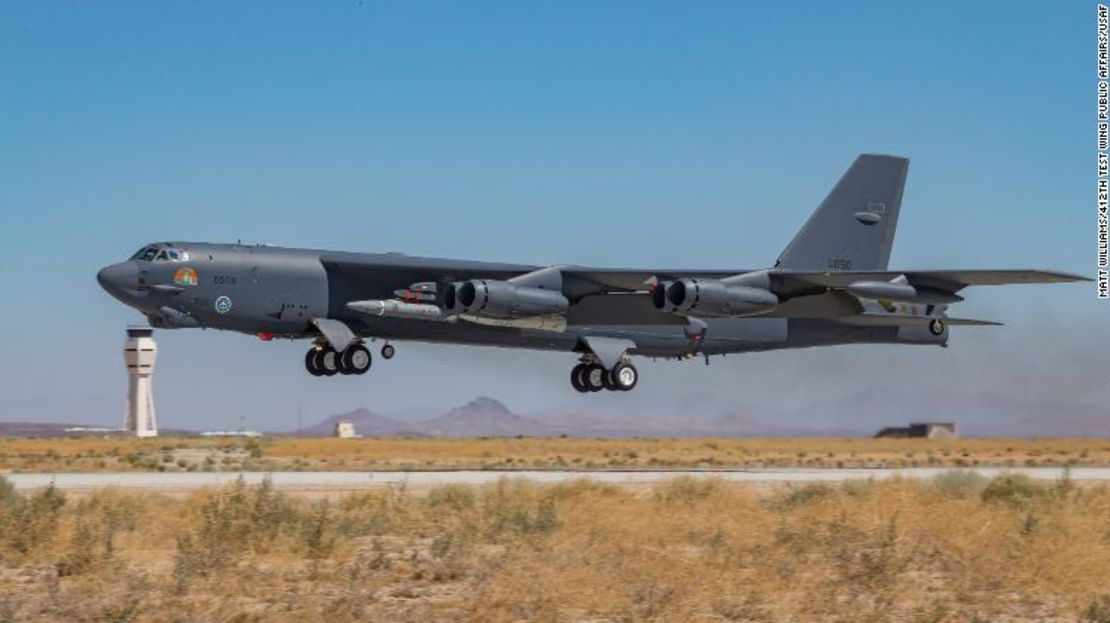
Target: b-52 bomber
point(830, 286)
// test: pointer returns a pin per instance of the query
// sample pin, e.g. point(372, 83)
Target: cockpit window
point(155, 254)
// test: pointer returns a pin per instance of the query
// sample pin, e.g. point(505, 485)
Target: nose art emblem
point(185, 276)
point(223, 305)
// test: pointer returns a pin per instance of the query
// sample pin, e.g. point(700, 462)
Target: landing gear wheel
point(936, 326)
point(326, 362)
point(607, 381)
point(388, 351)
point(624, 377)
point(355, 360)
point(577, 380)
point(593, 377)
point(310, 363)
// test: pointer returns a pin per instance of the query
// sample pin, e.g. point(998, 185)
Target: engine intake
point(712, 298)
point(487, 298)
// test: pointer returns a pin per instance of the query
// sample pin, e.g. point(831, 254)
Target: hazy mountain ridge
point(366, 422)
point(488, 417)
point(858, 415)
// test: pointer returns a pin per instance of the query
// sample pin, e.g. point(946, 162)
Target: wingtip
point(1065, 276)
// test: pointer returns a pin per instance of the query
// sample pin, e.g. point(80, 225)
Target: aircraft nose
point(118, 279)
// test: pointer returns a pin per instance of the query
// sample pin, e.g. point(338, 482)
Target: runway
point(361, 480)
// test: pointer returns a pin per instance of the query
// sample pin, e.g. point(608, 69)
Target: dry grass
point(286, 453)
point(958, 549)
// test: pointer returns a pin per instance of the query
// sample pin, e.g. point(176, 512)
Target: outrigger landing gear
point(322, 360)
point(388, 351)
point(590, 376)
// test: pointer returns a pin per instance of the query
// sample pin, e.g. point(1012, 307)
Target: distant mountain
point(859, 415)
point(482, 417)
point(487, 417)
point(366, 423)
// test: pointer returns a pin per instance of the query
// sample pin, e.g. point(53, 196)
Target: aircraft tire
point(576, 378)
point(341, 365)
point(936, 326)
point(593, 377)
point(310, 363)
point(355, 360)
point(388, 351)
point(624, 377)
point(326, 361)
point(607, 381)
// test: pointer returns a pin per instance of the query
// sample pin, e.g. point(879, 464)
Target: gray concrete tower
point(139, 353)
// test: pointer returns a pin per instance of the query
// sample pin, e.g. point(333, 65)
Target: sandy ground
point(354, 480)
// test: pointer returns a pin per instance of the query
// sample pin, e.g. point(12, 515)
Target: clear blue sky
point(696, 134)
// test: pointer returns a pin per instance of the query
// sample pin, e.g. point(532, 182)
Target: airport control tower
point(139, 352)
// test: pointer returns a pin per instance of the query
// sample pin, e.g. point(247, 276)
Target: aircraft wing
point(949, 280)
point(631, 280)
point(636, 280)
point(583, 281)
point(404, 268)
point(889, 320)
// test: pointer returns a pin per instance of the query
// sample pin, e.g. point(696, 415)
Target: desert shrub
point(375, 512)
point(1098, 610)
point(100, 516)
point(791, 497)
point(188, 562)
point(1016, 490)
point(239, 518)
point(30, 523)
point(960, 483)
point(318, 531)
point(514, 507)
point(254, 448)
point(82, 554)
point(455, 497)
point(858, 488)
point(686, 489)
point(9, 497)
point(580, 487)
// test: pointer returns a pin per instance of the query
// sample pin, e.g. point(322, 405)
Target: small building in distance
point(345, 429)
point(921, 430)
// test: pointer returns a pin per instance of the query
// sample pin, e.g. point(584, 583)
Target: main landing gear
point(590, 376)
point(323, 360)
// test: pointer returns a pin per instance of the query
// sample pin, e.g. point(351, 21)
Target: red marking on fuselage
point(265, 336)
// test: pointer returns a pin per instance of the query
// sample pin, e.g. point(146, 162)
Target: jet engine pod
point(659, 297)
point(450, 300)
point(713, 297)
point(489, 298)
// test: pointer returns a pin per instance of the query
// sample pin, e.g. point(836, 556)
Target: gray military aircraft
point(831, 285)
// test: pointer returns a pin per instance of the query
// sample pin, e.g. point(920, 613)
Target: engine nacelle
point(488, 298)
point(713, 298)
point(659, 297)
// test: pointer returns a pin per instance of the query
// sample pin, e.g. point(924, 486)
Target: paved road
point(346, 481)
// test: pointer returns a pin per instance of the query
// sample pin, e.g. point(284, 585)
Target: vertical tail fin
point(853, 228)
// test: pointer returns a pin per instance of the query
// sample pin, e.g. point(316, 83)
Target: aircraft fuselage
point(276, 292)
